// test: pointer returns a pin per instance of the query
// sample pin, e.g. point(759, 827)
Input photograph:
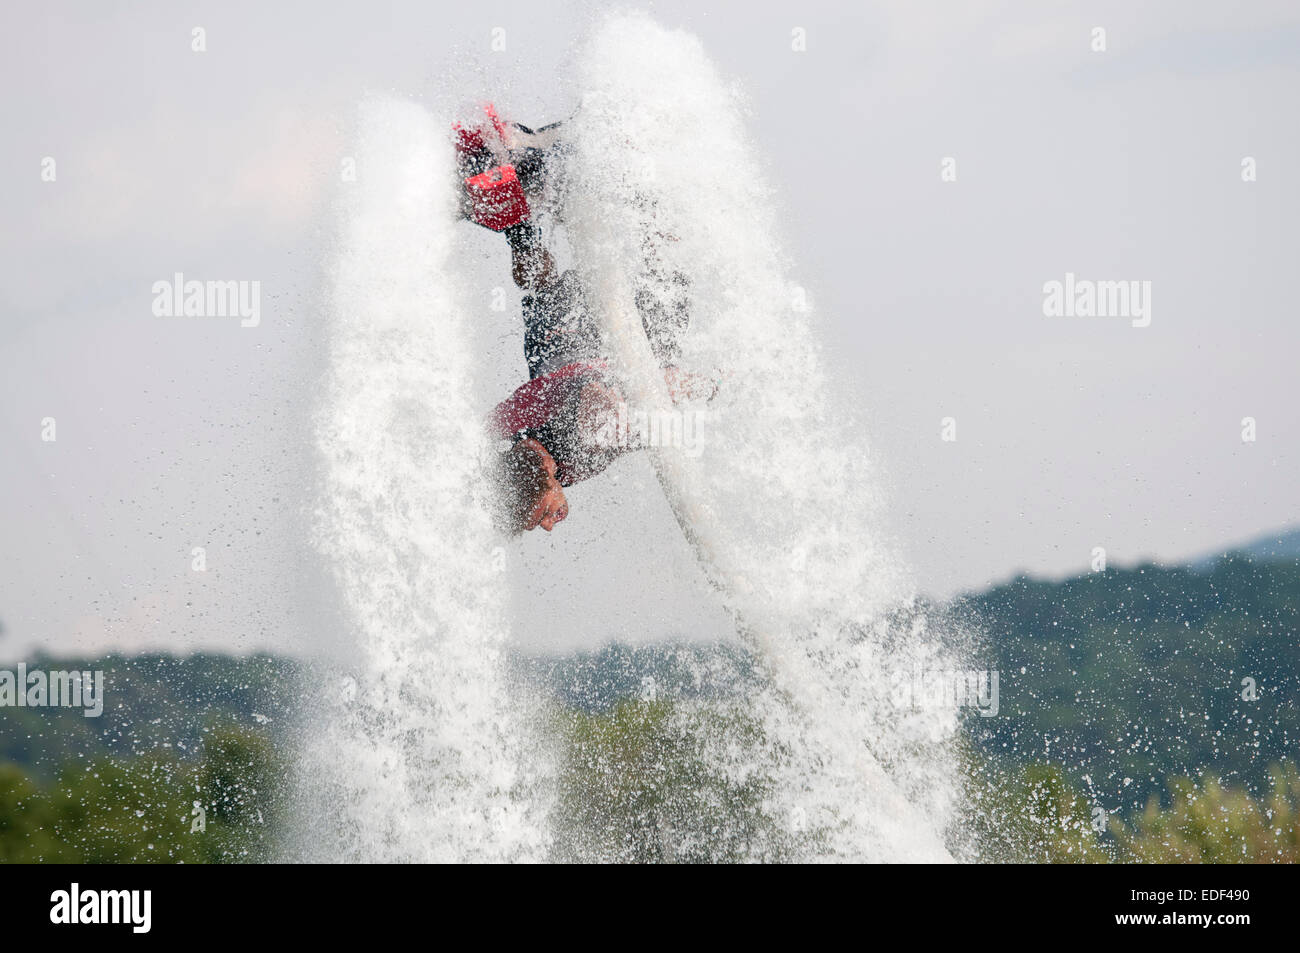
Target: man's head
point(529, 494)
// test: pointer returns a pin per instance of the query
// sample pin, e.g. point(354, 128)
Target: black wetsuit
point(559, 327)
point(562, 345)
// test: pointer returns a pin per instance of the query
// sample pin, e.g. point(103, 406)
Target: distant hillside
point(153, 704)
point(1280, 544)
point(1122, 678)
point(597, 681)
point(1128, 676)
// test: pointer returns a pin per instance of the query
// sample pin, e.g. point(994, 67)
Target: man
point(549, 428)
point(554, 422)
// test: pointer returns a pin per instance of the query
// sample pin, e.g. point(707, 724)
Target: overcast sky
point(1072, 432)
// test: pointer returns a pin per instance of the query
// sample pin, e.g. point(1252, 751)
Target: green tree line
point(221, 807)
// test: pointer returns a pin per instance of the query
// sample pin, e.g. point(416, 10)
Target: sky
point(1072, 432)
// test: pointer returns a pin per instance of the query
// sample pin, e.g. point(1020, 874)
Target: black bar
point(965, 904)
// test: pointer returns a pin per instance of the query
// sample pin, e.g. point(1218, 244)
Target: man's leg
point(531, 264)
